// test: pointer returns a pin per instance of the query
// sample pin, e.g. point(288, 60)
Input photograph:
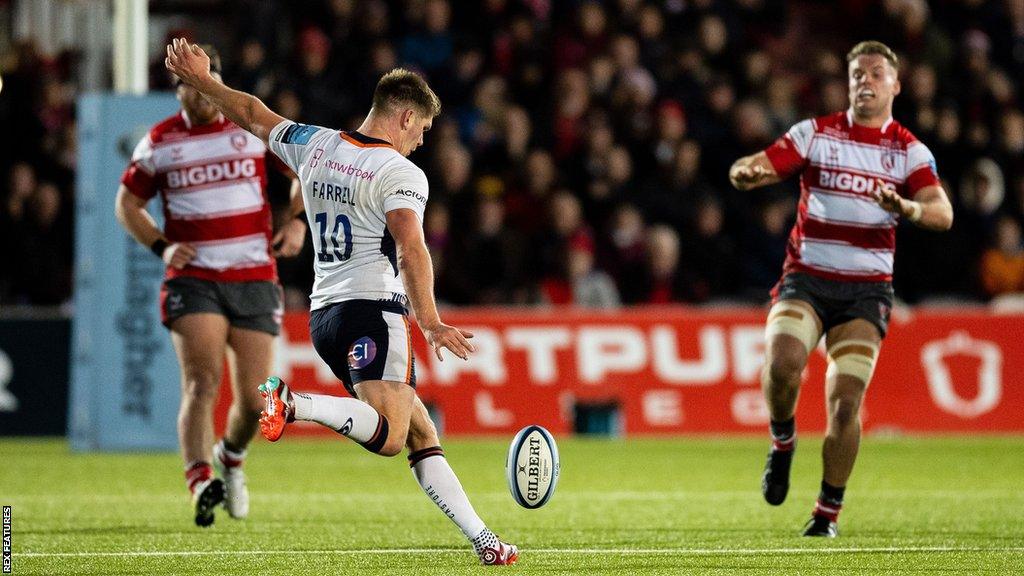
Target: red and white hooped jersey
point(841, 233)
point(212, 180)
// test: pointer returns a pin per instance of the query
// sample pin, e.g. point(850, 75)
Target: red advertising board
point(678, 370)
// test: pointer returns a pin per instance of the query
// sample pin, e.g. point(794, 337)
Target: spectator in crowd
point(625, 252)
point(1002, 265)
point(489, 263)
point(580, 284)
point(618, 101)
point(764, 247)
point(663, 281)
point(709, 254)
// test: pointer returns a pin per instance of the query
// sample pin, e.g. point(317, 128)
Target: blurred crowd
point(583, 148)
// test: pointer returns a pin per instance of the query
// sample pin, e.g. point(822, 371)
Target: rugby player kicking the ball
point(860, 172)
point(364, 201)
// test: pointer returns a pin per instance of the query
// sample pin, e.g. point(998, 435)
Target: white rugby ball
point(532, 467)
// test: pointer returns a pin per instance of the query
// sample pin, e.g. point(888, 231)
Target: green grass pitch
point(674, 506)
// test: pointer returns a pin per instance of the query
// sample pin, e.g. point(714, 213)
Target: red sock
point(827, 510)
point(786, 445)
point(197, 472)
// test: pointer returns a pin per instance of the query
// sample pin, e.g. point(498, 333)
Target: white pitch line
point(528, 551)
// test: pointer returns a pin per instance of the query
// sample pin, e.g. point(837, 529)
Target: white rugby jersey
point(349, 182)
point(841, 233)
point(212, 181)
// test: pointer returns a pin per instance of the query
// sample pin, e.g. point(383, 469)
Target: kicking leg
point(438, 480)
point(378, 420)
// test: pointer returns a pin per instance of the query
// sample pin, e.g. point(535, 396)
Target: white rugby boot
point(236, 492)
point(494, 552)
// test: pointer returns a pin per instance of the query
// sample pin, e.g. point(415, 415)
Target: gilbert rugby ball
point(532, 467)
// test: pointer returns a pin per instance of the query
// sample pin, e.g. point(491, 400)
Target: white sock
point(353, 418)
point(438, 480)
point(229, 458)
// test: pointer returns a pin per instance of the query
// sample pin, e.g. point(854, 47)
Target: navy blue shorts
point(364, 340)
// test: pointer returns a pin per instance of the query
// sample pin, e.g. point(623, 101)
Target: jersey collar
point(363, 141)
point(212, 126)
point(849, 119)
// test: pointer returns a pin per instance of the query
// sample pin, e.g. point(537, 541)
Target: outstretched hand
point(886, 197)
point(454, 339)
point(188, 62)
point(745, 176)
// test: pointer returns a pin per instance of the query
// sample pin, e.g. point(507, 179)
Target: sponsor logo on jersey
point(833, 154)
point(362, 353)
point(346, 169)
point(199, 175)
point(411, 194)
point(239, 141)
point(888, 161)
point(296, 134)
point(315, 159)
point(846, 182)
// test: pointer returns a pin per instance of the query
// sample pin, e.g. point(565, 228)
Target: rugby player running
point(860, 172)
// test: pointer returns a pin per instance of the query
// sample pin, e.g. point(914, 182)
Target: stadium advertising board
point(33, 376)
point(674, 370)
point(124, 375)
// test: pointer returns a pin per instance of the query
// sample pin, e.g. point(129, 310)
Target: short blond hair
point(874, 47)
point(401, 87)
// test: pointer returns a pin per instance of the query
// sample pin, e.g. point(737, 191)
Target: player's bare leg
point(853, 349)
point(394, 402)
point(199, 340)
point(251, 359)
point(378, 420)
point(438, 480)
point(793, 329)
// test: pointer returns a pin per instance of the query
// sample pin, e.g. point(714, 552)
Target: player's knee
point(391, 448)
point(785, 367)
point(845, 411)
point(200, 387)
point(389, 440)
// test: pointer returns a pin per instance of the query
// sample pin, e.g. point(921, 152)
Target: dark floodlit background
point(581, 223)
point(582, 143)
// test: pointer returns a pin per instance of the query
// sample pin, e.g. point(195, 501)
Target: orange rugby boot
point(279, 409)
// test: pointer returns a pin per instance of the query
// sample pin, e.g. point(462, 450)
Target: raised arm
point(418, 277)
point(188, 62)
point(752, 172)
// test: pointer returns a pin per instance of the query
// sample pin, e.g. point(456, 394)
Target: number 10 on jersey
point(341, 224)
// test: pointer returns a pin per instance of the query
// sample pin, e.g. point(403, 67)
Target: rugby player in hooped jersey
point(220, 296)
point(364, 201)
point(860, 172)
